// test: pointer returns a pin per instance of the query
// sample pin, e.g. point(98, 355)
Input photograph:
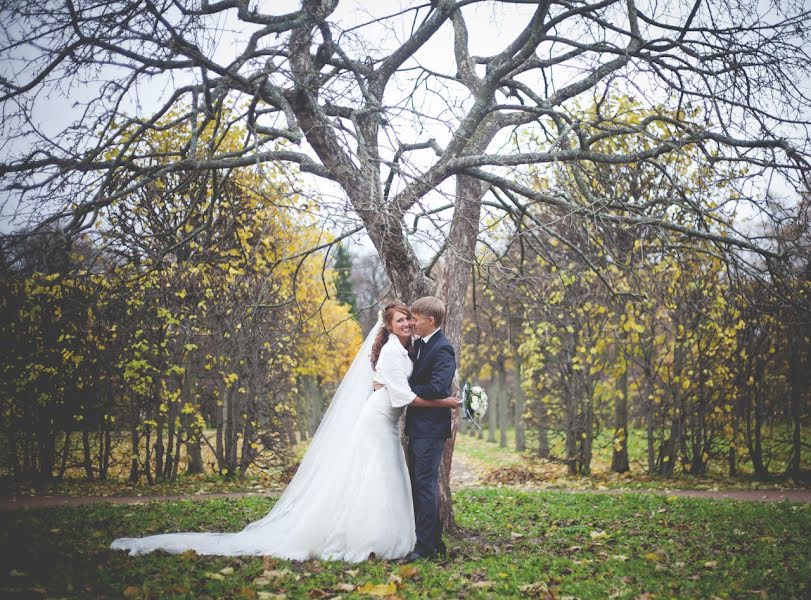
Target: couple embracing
point(354, 494)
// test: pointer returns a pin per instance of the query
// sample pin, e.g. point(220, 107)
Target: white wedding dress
point(351, 495)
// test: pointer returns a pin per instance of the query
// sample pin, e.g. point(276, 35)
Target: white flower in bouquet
point(475, 402)
point(482, 408)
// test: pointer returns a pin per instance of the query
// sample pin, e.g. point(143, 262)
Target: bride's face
point(401, 325)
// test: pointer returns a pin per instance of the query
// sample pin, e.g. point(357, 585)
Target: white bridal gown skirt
point(356, 501)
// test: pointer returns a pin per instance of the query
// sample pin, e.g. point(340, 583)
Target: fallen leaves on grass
point(537, 590)
point(377, 589)
point(408, 571)
point(511, 475)
point(268, 577)
point(483, 585)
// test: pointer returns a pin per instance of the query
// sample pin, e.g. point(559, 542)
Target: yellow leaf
point(408, 571)
point(277, 573)
point(132, 591)
point(380, 589)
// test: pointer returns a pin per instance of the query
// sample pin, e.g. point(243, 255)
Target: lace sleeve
point(392, 371)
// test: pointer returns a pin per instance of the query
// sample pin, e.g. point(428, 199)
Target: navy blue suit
point(427, 429)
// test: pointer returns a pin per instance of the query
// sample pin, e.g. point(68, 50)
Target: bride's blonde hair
point(388, 312)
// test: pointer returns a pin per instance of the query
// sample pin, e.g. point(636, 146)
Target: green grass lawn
point(515, 544)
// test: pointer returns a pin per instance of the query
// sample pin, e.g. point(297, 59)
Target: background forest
point(164, 344)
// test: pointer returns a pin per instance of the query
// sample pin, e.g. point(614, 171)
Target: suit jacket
point(431, 379)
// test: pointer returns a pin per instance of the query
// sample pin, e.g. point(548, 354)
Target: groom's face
point(423, 325)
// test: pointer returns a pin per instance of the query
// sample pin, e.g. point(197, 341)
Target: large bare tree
point(372, 106)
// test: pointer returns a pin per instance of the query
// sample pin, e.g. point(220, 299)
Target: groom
point(427, 428)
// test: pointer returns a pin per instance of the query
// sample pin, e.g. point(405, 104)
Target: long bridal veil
point(301, 517)
point(326, 452)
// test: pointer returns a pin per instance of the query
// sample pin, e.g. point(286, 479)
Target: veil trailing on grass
point(301, 523)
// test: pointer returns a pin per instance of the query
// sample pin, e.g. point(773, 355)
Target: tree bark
point(63, 463)
point(195, 453)
point(520, 442)
point(619, 458)
point(795, 384)
point(492, 414)
point(452, 288)
point(134, 444)
point(503, 405)
point(87, 462)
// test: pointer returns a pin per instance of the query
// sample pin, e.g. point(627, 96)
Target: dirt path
point(462, 476)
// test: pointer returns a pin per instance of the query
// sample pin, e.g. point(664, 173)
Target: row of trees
point(145, 343)
point(582, 328)
point(706, 367)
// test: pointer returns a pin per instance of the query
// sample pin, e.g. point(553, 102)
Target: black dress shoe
point(412, 556)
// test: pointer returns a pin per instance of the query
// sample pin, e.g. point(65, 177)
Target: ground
point(527, 530)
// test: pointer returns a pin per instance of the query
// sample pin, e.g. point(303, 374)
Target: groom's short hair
point(430, 306)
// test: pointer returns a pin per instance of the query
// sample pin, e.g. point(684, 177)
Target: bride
point(351, 496)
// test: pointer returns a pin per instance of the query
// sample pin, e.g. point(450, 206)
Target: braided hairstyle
point(391, 309)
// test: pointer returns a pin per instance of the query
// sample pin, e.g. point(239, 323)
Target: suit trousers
point(425, 455)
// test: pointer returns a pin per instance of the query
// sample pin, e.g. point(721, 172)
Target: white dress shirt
point(425, 339)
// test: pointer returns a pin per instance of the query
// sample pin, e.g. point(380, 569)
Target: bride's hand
point(378, 386)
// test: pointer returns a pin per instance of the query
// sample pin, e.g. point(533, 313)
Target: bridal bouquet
point(474, 403)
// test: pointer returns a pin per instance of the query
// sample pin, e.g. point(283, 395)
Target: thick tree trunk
point(492, 414)
point(195, 453)
point(87, 461)
point(107, 444)
point(588, 439)
point(650, 437)
point(171, 435)
point(619, 458)
point(221, 412)
point(543, 438)
point(452, 288)
point(148, 459)
point(63, 463)
point(572, 433)
point(134, 443)
point(795, 384)
point(159, 448)
point(503, 404)
point(520, 442)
